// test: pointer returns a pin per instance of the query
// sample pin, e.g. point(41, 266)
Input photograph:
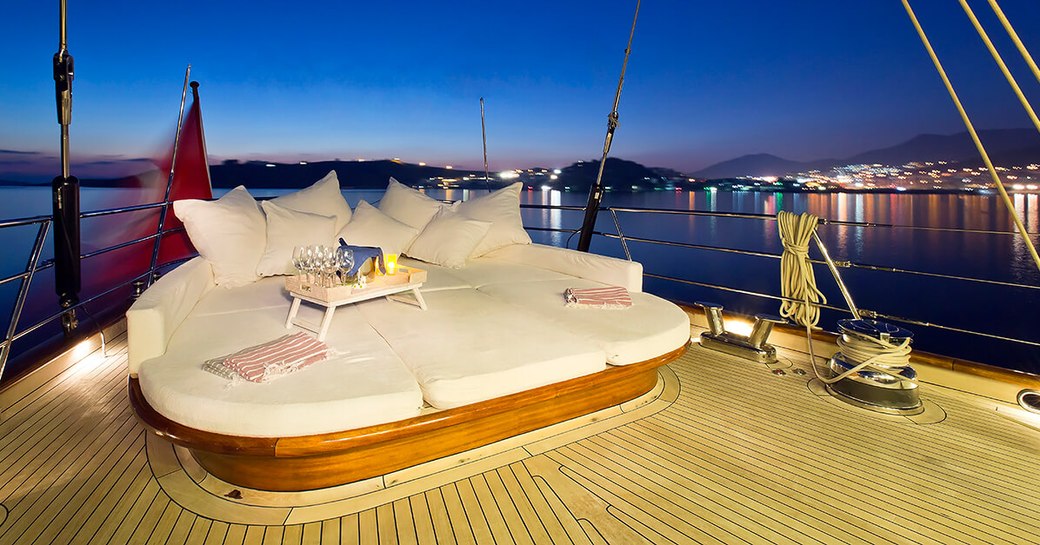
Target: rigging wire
point(974, 134)
point(1014, 37)
point(1000, 63)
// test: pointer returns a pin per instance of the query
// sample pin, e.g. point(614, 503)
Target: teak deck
point(726, 453)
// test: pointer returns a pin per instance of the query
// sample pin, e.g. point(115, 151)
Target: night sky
point(707, 81)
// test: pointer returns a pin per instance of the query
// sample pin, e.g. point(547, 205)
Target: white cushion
point(469, 347)
point(408, 205)
point(371, 227)
point(439, 278)
point(599, 268)
point(649, 328)
point(230, 233)
point(502, 209)
point(448, 239)
point(152, 319)
point(287, 228)
point(323, 198)
point(363, 384)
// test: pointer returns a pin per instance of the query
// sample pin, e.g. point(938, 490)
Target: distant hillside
point(352, 174)
point(618, 173)
point(758, 164)
point(1005, 146)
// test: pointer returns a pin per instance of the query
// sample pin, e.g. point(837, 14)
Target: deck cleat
point(751, 347)
point(888, 384)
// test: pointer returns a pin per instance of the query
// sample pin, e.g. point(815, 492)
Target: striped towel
point(613, 297)
point(270, 360)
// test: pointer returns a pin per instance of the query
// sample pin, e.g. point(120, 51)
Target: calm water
point(994, 310)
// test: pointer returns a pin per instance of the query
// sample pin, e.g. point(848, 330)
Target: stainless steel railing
point(35, 265)
point(616, 214)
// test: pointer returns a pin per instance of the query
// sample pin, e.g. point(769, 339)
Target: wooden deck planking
point(740, 456)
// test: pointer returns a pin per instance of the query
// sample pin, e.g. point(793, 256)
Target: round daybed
point(496, 354)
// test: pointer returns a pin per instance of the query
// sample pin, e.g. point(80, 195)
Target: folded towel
point(612, 297)
point(270, 360)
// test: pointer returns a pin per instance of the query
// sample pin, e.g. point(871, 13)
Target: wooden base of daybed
point(319, 461)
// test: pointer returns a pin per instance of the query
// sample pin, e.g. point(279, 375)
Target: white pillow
point(287, 228)
point(323, 198)
point(502, 209)
point(370, 227)
point(448, 239)
point(408, 205)
point(230, 233)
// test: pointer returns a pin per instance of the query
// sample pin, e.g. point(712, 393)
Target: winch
point(872, 368)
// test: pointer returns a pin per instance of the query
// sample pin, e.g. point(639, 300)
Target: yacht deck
point(723, 451)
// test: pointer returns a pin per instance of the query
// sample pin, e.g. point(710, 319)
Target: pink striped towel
point(613, 297)
point(270, 360)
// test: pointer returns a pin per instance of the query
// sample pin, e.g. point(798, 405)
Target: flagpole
point(169, 182)
point(65, 189)
point(596, 191)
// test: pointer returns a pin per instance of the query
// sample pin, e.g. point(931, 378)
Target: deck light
point(752, 346)
point(1030, 400)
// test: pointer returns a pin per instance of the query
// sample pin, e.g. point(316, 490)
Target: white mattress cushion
point(482, 272)
point(438, 278)
point(365, 384)
point(159, 311)
point(265, 293)
point(649, 328)
point(599, 268)
point(468, 347)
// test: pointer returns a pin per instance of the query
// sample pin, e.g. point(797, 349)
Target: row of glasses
point(326, 266)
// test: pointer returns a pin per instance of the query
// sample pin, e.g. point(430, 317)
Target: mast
point(65, 190)
point(596, 191)
point(483, 135)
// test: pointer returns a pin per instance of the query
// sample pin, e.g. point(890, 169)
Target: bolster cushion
point(598, 268)
point(155, 315)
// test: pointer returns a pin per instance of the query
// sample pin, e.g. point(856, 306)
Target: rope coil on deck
point(798, 282)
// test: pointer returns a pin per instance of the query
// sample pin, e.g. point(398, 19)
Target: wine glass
point(297, 260)
point(345, 262)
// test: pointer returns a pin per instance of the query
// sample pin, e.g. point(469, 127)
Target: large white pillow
point(408, 205)
point(287, 228)
point(323, 198)
point(229, 232)
point(502, 209)
point(448, 239)
point(371, 227)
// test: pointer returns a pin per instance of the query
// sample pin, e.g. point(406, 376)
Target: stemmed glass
point(345, 262)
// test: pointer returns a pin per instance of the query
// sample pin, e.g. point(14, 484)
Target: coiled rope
point(802, 300)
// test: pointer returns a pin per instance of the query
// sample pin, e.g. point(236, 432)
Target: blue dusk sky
point(706, 82)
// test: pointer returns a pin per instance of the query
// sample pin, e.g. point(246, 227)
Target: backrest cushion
point(408, 205)
point(371, 227)
point(323, 198)
point(502, 209)
point(449, 239)
point(230, 233)
point(287, 228)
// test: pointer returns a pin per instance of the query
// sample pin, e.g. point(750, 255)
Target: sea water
point(922, 233)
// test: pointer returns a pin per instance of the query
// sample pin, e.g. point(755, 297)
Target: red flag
point(190, 180)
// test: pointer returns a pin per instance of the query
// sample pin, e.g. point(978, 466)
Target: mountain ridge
point(1001, 144)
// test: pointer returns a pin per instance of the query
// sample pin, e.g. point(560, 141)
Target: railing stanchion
point(621, 235)
point(23, 292)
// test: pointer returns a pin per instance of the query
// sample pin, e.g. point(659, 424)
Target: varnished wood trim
point(318, 461)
